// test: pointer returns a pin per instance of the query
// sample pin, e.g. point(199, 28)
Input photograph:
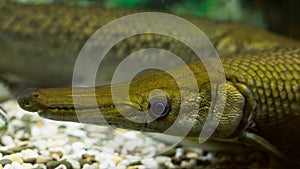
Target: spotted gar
point(262, 73)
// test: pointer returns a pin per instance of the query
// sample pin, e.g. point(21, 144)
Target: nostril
point(35, 94)
point(27, 104)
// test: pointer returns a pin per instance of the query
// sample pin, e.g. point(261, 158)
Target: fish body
point(261, 70)
point(49, 39)
point(262, 102)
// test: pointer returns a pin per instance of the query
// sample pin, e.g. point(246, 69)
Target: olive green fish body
point(271, 80)
point(263, 98)
point(50, 38)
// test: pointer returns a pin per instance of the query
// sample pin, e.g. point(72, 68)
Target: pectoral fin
point(262, 143)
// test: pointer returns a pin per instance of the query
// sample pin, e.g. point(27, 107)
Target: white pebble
point(192, 163)
point(75, 164)
point(169, 164)
point(92, 152)
point(161, 147)
point(78, 154)
point(121, 166)
point(76, 133)
point(130, 134)
point(148, 142)
point(116, 143)
point(192, 155)
point(130, 145)
point(85, 166)
point(19, 134)
point(93, 166)
point(52, 143)
point(16, 158)
point(44, 152)
point(16, 165)
point(124, 162)
point(61, 166)
point(36, 131)
point(150, 163)
point(54, 149)
point(8, 166)
point(40, 144)
point(78, 146)
point(107, 164)
point(40, 165)
point(124, 151)
point(98, 136)
point(67, 149)
point(179, 152)
point(43, 159)
point(163, 159)
point(89, 142)
point(149, 151)
point(28, 153)
point(209, 156)
point(184, 164)
point(55, 156)
point(62, 139)
point(133, 159)
point(7, 141)
point(27, 166)
point(142, 167)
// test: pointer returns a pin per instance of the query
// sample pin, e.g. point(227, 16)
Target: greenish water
point(225, 10)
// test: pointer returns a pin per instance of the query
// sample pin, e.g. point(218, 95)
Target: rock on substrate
point(33, 142)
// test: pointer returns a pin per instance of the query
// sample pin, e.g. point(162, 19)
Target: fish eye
point(159, 108)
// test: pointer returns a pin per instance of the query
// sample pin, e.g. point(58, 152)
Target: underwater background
point(279, 16)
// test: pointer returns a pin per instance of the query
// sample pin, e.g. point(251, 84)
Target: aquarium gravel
point(34, 142)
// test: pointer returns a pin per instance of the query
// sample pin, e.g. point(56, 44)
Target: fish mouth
point(130, 118)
